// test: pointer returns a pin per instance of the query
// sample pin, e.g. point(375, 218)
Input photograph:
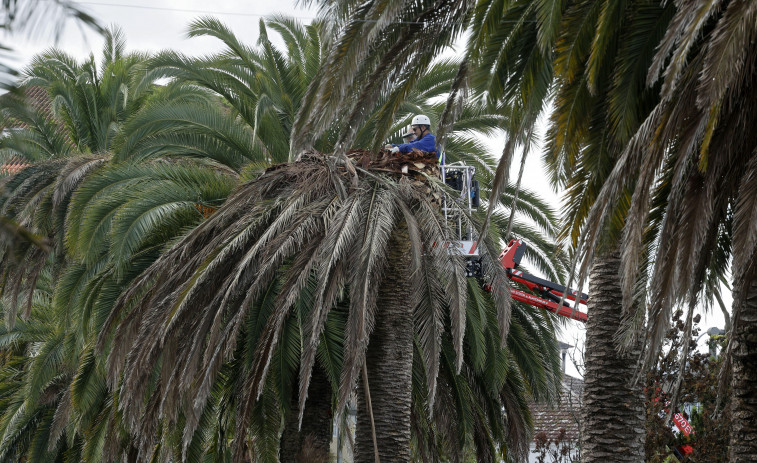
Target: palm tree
point(696, 137)
point(226, 75)
point(240, 76)
point(69, 149)
point(300, 223)
point(602, 53)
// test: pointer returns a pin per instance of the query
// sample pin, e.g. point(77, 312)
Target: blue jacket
point(427, 144)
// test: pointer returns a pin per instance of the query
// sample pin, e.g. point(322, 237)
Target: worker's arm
point(427, 144)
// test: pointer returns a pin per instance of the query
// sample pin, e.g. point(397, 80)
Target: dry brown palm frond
point(429, 301)
point(694, 227)
point(706, 208)
point(633, 235)
point(500, 178)
point(219, 348)
point(331, 251)
point(665, 277)
point(701, 216)
point(285, 301)
point(730, 54)
point(699, 210)
point(457, 292)
point(645, 153)
point(455, 101)
point(682, 34)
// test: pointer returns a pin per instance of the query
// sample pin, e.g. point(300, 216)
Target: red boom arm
point(549, 294)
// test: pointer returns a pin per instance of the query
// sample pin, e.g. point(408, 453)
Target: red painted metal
point(510, 259)
point(549, 294)
point(536, 301)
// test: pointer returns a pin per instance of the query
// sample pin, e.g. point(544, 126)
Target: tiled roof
point(12, 167)
point(564, 415)
point(36, 97)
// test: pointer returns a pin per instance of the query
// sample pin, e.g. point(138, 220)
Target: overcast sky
point(162, 24)
point(159, 24)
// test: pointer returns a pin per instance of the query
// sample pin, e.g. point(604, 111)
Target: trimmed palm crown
point(302, 226)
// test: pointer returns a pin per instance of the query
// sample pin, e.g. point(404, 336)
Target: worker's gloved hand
point(394, 150)
point(387, 147)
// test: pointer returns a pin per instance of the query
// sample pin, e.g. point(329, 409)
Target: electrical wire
point(257, 15)
point(186, 10)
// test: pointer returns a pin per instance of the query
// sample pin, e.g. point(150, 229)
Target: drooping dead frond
point(682, 34)
point(500, 177)
point(726, 62)
point(455, 101)
point(369, 260)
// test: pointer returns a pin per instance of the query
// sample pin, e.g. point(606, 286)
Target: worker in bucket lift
point(424, 139)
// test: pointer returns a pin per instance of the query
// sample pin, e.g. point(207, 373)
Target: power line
point(231, 13)
point(186, 10)
point(257, 15)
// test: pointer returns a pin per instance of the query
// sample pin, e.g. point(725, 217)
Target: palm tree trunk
point(389, 361)
point(312, 442)
point(743, 446)
point(613, 411)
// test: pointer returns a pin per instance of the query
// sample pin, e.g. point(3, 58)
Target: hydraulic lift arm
point(548, 293)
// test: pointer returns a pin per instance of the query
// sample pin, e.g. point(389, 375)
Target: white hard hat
point(420, 119)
